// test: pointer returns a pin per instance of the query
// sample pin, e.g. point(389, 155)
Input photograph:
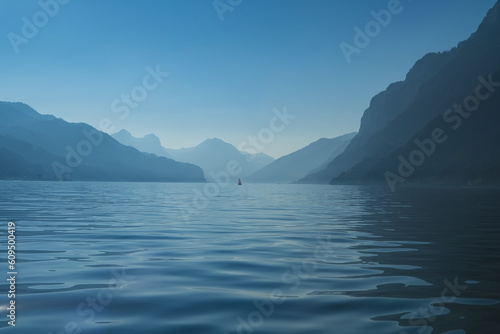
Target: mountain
point(294, 166)
point(149, 143)
point(470, 155)
point(35, 146)
point(396, 116)
point(212, 155)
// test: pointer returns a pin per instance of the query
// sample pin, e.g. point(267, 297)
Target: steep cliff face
point(466, 152)
point(434, 84)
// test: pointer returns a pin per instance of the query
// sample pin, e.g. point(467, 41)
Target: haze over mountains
point(212, 155)
point(43, 147)
point(149, 143)
point(455, 91)
point(439, 126)
point(297, 165)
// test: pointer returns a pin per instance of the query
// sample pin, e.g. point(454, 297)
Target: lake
point(199, 258)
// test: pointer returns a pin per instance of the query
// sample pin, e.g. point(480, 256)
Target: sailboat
point(239, 182)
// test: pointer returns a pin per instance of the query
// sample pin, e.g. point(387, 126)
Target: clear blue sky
point(225, 77)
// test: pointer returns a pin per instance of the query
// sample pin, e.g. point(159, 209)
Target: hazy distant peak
point(259, 154)
point(347, 136)
point(123, 132)
point(149, 143)
point(214, 141)
point(151, 136)
point(127, 135)
point(296, 165)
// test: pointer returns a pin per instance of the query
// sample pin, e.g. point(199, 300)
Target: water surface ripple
point(154, 258)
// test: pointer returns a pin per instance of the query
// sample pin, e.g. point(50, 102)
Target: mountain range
point(455, 91)
point(212, 155)
point(295, 166)
point(439, 125)
point(43, 147)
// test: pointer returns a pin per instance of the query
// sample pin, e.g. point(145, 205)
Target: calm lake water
point(164, 258)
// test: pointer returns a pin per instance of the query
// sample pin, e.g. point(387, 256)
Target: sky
point(188, 70)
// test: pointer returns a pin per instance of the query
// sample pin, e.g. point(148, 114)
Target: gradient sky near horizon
point(225, 77)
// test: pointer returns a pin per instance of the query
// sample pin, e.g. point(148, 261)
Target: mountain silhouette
point(212, 155)
point(408, 109)
point(296, 165)
point(43, 147)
